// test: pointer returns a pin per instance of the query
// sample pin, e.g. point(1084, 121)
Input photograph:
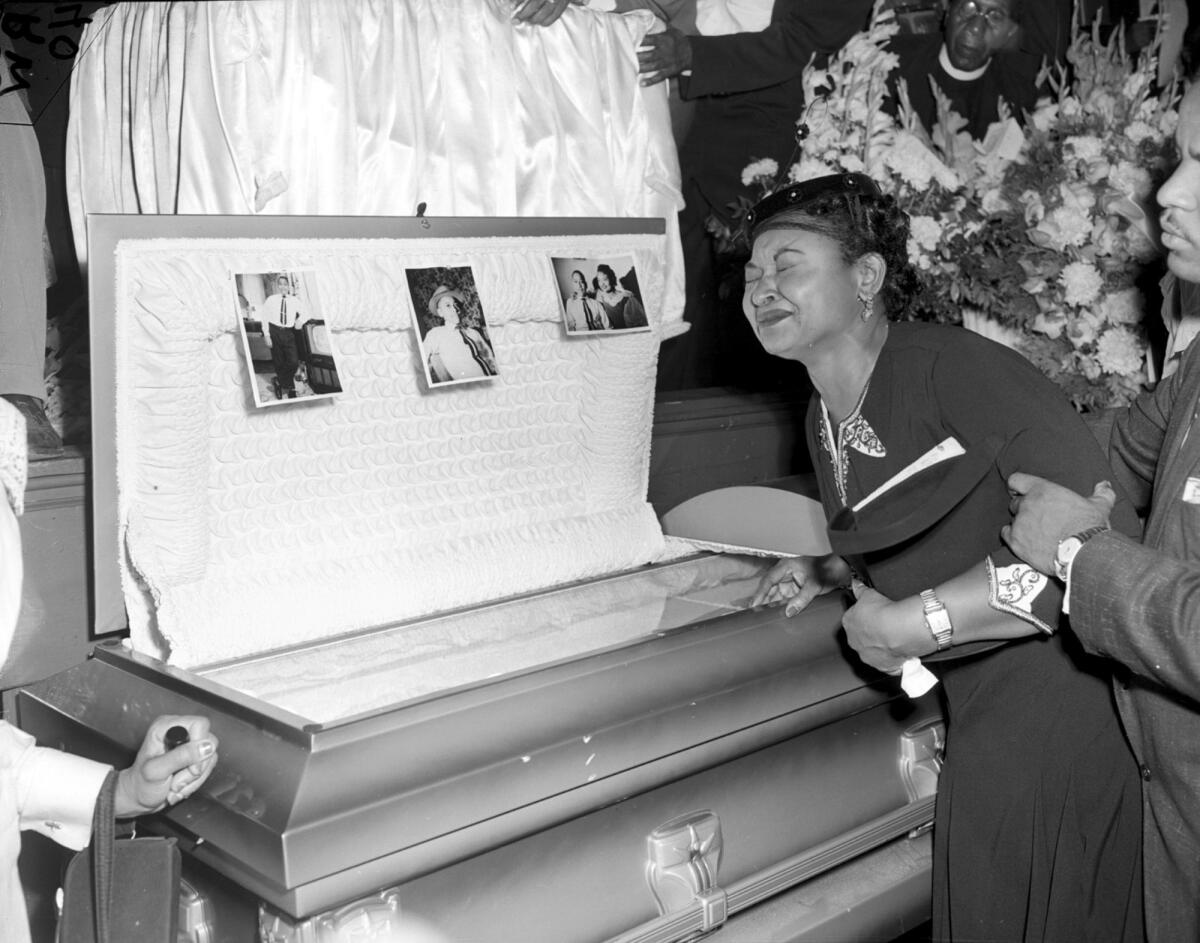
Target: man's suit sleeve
point(1136, 440)
point(745, 62)
point(1140, 607)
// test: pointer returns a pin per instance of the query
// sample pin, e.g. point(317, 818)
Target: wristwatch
point(937, 619)
point(1069, 546)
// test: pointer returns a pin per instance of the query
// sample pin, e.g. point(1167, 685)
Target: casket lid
point(238, 529)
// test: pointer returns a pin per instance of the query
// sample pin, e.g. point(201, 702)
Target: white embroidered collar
point(853, 432)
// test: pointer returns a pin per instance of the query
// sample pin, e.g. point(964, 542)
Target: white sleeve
point(55, 791)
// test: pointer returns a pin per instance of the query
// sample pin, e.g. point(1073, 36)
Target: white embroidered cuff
point(1014, 588)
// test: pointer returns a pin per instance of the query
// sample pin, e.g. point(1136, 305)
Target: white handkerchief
point(915, 678)
point(946, 449)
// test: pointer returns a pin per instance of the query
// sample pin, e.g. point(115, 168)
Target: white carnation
point(1078, 195)
point(1122, 307)
point(759, 168)
point(851, 163)
point(1128, 177)
point(1134, 86)
point(909, 163)
point(994, 201)
point(1045, 115)
point(1083, 329)
point(1103, 104)
point(823, 137)
point(916, 164)
point(1139, 245)
point(1085, 146)
point(1034, 208)
point(1065, 226)
point(1119, 351)
point(1086, 365)
point(1050, 323)
point(1138, 131)
point(918, 258)
point(1081, 282)
point(927, 231)
point(807, 168)
point(859, 112)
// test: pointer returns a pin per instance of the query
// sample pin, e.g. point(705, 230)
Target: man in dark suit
point(749, 94)
point(1139, 603)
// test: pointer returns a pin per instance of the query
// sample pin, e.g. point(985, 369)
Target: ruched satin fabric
point(369, 108)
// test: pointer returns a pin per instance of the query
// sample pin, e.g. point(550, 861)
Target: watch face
point(1067, 548)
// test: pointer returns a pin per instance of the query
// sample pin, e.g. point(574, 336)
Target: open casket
point(457, 672)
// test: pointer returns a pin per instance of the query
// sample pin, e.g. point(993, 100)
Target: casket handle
point(683, 856)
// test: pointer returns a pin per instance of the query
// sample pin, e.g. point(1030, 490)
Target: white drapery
point(369, 108)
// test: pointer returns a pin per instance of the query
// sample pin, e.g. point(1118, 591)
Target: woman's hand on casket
point(885, 633)
point(161, 777)
point(797, 581)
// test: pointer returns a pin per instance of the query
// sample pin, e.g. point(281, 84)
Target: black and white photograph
point(753, 496)
point(452, 331)
point(285, 337)
point(600, 295)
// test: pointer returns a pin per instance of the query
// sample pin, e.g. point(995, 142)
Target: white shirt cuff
point(56, 791)
point(1066, 603)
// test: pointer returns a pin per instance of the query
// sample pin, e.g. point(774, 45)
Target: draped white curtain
point(369, 108)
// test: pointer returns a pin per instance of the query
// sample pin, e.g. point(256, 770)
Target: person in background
point(1038, 819)
point(1138, 602)
point(53, 792)
point(977, 60)
point(23, 269)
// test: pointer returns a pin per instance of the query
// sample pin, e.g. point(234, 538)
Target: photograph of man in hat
point(452, 331)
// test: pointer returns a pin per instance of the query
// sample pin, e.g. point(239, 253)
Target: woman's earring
point(868, 303)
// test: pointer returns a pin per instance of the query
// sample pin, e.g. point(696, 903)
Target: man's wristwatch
point(937, 619)
point(1069, 546)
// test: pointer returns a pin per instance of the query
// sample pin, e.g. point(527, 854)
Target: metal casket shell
point(762, 718)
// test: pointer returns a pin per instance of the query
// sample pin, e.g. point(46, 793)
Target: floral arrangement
point(1040, 236)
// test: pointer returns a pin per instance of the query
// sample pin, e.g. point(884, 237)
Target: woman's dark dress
point(1038, 826)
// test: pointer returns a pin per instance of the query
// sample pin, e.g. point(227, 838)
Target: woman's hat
point(795, 196)
point(441, 292)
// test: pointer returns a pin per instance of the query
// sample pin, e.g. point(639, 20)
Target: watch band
point(937, 619)
point(1069, 546)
